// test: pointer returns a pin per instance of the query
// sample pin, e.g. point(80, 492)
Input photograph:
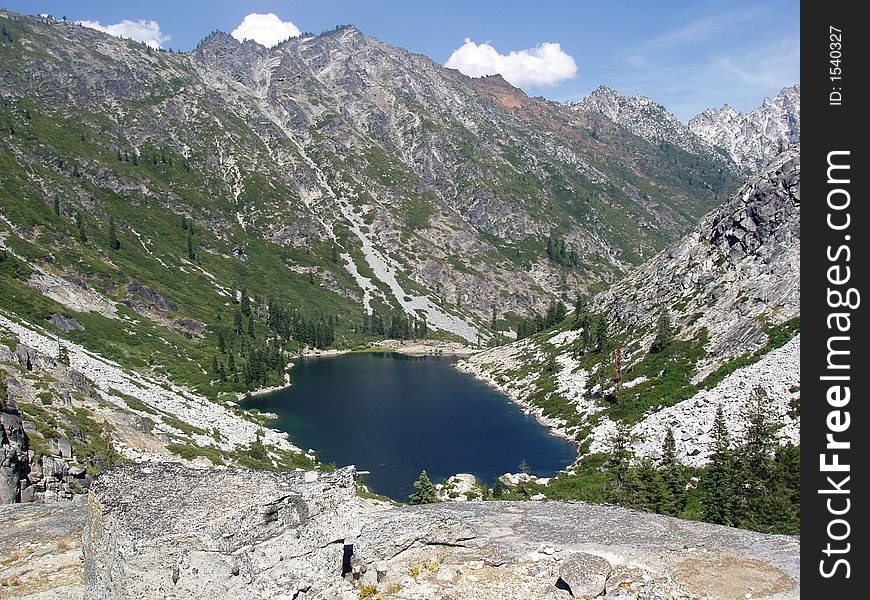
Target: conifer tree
point(649, 491)
point(579, 306)
point(673, 475)
point(601, 333)
point(425, 493)
point(245, 303)
point(237, 322)
point(717, 483)
point(756, 502)
point(664, 332)
point(56, 206)
point(497, 490)
point(191, 254)
point(787, 481)
point(257, 450)
point(114, 242)
point(80, 227)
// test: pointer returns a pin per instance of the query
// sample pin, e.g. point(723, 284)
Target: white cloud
point(546, 64)
point(144, 31)
point(265, 29)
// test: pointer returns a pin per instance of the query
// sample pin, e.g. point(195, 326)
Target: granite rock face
point(164, 530)
point(14, 461)
point(244, 534)
point(755, 137)
point(41, 550)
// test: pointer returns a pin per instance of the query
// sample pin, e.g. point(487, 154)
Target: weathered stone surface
point(151, 297)
point(41, 550)
point(64, 323)
point(244, 534)
point(584, 574)
point(217, 534)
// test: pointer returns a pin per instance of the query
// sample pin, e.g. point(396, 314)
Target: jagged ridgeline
point(331, 176)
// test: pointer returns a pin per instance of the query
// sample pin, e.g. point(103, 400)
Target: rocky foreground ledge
point(169, 531)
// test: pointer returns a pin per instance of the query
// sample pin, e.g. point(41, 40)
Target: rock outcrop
point(14, 461)
point(245, 534)
point(217, 534)
point(741, 263)
point(755, 137)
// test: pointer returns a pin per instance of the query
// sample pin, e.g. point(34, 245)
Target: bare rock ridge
point(749, 139)
point(645, 118)
point(755, 137)
point(245, 534)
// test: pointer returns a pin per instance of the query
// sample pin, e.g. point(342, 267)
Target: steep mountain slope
point(753, 138)
point(437, 193)
point(730, 290)
point(176, 226)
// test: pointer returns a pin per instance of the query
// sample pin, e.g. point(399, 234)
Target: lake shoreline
point(553, 426)
point(406, 347)
point(349, 426)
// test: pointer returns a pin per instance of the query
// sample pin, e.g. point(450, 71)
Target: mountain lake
point(395, 415)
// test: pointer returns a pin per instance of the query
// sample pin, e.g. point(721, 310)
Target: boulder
point(64, 323)
point(29, 358)
point(151, 297)
point(584, 574)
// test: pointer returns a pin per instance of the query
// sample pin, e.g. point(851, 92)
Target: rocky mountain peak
point(643, 117)
point(757, 136)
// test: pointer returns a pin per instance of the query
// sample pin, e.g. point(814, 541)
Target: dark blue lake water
point(396, 415)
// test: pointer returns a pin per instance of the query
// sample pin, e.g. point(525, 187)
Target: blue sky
point(687, 55)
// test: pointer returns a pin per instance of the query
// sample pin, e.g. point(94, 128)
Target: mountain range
point(183, 223)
